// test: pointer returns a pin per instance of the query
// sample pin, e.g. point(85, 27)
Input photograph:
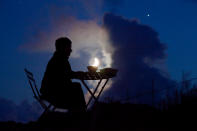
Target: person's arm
point(77, 74)
point(72, 74)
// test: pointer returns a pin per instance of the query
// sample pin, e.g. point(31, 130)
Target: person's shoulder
point(52, 60)
point(55, 60)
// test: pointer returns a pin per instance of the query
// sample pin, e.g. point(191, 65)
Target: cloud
point(131, 47)
point(24, 112)
point(87, 36)
point(138, 56)
point(65, 20)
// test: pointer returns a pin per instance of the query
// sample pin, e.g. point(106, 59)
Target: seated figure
point(57, 86)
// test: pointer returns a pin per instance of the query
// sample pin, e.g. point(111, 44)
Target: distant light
point(148, 15)
point(96, 62)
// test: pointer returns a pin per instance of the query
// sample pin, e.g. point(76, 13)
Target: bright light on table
point(96, 62)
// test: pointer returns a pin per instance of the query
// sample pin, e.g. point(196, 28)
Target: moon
point(96, 62)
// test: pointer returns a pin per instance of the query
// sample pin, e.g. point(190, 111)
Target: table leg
point(94, 92)
point(102, 89)
point(88, 89)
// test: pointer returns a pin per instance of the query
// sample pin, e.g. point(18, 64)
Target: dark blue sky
point(174, 20)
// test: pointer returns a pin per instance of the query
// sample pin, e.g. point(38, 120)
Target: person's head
point(63, 44)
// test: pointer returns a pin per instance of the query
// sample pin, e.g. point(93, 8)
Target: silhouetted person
point(57, 86)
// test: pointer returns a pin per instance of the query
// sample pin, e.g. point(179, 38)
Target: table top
point(102, 74)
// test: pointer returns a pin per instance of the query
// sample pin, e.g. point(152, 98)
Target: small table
point(105, 73)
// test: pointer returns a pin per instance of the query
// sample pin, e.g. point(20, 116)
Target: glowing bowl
point(92, 68)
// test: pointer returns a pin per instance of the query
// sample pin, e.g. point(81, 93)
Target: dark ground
point(115, 116)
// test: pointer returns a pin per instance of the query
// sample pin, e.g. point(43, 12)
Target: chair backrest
point(34, 88)
point(32, 83)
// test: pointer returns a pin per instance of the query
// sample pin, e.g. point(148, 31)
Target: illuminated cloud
point(139, 57)
point(133, 48)
point(87, 36)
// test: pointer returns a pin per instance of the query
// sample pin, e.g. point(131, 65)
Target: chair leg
point(45, 111)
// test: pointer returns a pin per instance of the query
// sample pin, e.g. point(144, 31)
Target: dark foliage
point(115, 115)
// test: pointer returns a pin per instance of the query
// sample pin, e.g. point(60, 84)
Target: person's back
point(57, 86)
point(57, 75)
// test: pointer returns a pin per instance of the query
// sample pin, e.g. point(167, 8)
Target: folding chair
point(36, 93)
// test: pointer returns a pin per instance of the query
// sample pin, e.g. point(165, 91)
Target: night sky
point(159, 35)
